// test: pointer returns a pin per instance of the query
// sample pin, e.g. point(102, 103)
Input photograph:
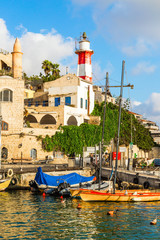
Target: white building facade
point(75, 94)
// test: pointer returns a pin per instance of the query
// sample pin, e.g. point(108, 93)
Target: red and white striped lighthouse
point(84, 69)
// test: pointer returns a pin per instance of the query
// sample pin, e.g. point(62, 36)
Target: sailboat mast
point(104, 117)
point(119, 124)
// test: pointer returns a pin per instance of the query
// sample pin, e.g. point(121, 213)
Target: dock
point(144, 178)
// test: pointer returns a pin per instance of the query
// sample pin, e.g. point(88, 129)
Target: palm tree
point(46, 65)
point(55, 70)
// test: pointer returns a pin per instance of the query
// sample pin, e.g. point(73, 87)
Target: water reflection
point(28, 216)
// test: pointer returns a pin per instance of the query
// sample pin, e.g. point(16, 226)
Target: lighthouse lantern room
point(84, 69)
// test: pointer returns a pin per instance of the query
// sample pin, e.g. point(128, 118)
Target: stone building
point(16, 141)
point(5, 61)
point(100, 95)
point(68, 100)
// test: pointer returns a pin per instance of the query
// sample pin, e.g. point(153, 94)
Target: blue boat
point(44, 181)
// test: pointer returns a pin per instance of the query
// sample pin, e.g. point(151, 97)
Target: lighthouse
point(84, 52)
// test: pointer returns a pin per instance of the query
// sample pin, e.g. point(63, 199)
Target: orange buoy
point(110, 213)
point(79, 206)
point(62, 200)
point(44, 194)
point(154, 222)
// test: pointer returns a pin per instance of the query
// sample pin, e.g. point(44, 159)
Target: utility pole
point(100, 167)
point(128, 85)
point(104, 117)
point(119, 124)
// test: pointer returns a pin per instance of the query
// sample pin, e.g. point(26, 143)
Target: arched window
point(72, 121)
point(33, 153)
point(48, 119)
point(6, 95)
point(31, 119)
point(4, 153)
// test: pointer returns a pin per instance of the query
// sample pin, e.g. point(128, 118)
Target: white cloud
point(37, 47)
point(138, 49)
point(125, 21)
point(21, 27)
point(150, 109)
point(6, 40)
point(99, 74)
point(143, 67)
point(136, 103)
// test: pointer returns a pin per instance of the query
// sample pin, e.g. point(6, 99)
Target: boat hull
point(4, 184)
point(104, 187)
point(93, 196)
point(76, 192)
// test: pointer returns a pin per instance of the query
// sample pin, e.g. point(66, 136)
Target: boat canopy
point(54, 181)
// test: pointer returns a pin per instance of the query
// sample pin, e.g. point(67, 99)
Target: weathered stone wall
point(155, 152)
point(39, 131)
point(17, 145)
point(6, 58)
point(39, 112)
point(66, 80)
point(12, 112)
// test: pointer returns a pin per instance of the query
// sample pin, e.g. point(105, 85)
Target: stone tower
point(17, 60)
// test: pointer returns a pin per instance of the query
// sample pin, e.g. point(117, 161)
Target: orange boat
point(93, 196)
point(76, 192)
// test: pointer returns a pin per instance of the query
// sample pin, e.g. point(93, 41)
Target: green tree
point(46, 66)
point(51, 70)
point(55, 70)
point(72, 139)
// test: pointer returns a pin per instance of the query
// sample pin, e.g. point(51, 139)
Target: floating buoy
point(79, 206)
point(154, 222)
point(44, 194)
point(62, 200)
point(112, 212)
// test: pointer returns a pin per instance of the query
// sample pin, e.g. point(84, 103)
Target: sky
point(118, 30)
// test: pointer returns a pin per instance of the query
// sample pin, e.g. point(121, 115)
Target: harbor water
point(25, 215)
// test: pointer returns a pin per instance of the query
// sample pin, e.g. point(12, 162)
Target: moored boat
point(4, 183)
point(105, 186)
point(55, 184)
point(120, 197)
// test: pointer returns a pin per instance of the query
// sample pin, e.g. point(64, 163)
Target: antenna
point(76, 44)
point(81, 35)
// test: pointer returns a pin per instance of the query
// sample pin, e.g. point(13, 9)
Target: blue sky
point(118, 30)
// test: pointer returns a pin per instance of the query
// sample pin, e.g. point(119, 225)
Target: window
point(4, 153)
point(45, 103)
point(48, 119)
point(33, 153)
point(57, 101)
point(6, 95)
point(4, 126)
point(86, 104)
point(67, 100)
point(29, 103)
point(81, 102)
point(37, 103)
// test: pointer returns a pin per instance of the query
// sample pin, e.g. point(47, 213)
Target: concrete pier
point(153, 178)
point(23, 174)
